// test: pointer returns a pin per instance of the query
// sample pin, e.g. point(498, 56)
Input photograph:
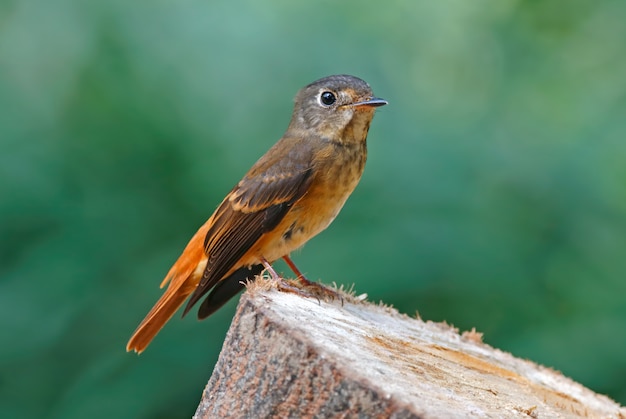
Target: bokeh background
point(494, 195)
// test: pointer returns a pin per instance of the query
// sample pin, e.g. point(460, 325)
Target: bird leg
point(270, 269)
point(284, 285)
point(309, 288)
point(295, 270)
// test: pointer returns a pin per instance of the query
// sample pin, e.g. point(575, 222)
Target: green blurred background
point(494, 195)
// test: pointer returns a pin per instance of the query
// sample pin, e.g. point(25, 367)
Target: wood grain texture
point(288, 356)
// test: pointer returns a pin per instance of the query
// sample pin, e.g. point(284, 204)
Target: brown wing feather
point(252, 209)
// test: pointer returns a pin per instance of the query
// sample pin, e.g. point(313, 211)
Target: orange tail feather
point(163, 310)
point(184, 276)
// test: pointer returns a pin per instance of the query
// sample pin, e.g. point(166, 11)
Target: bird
point(292, 193)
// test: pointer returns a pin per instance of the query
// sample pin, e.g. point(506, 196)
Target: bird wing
point(254, 207)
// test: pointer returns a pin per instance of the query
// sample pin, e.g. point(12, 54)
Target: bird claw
point(310, 289)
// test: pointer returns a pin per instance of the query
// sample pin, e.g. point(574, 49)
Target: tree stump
point(290, 356)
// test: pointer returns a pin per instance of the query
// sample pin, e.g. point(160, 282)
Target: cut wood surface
point(290, 356)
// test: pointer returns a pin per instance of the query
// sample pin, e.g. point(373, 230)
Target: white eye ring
point(327, 98)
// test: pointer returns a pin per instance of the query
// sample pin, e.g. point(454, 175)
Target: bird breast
point(337, 172)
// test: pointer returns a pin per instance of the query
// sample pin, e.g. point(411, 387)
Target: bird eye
point(328, 98)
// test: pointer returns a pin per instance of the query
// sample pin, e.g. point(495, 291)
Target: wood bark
point(288, 356)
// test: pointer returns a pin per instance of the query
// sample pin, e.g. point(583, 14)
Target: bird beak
point(374, 102)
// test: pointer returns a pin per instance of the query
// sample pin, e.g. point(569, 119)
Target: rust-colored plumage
point(288, 196)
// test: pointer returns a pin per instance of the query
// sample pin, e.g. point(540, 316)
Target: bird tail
point(183, 279)
point(162, 311)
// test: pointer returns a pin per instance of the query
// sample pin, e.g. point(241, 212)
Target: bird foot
point(310, 289)
point(301, 286)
